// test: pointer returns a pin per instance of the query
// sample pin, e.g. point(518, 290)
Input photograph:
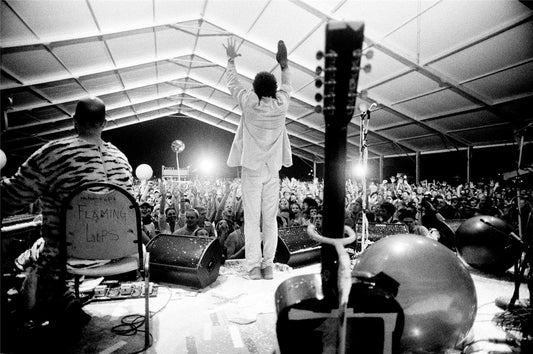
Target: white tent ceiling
point(445, 74)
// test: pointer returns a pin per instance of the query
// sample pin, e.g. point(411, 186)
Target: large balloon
point(3, 159)
point(144, 172)
point(436, 292)
point(484, 242)
point(177, 146)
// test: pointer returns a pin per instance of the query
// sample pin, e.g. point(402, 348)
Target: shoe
point(267, 273)
point(255, 273)
point(281, 55)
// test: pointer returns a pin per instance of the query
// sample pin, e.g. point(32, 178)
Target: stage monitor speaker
point(377, 231)
point(454, 223)
point(185, 260)
point(295, 247)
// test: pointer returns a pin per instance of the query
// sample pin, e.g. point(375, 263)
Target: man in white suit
point(261, 146)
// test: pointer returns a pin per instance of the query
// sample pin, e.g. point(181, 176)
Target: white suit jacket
point(261, 136)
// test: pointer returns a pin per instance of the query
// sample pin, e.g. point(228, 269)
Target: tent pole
point(417, 168)
point(469, 164)
point(381, 168)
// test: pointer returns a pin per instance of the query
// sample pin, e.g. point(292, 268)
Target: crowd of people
point(240, 213)
point(213, 208)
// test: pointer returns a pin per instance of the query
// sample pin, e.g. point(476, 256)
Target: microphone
point(524, 130)
point(365, 112)
point(512, 235)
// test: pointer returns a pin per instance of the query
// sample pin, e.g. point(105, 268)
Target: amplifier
point(295, 247)
point(377, 231)
point(186, 260)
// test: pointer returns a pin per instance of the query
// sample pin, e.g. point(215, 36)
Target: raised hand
point(231, 51)
point(281, 56)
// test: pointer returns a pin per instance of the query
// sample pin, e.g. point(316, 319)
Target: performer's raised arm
point(235, 87)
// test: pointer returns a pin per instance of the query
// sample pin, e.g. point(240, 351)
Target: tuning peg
point(367, 68)
point(318, 82)
point(318, 109)
point(359, 53)
point(319, 70)
point(363, 94)
point(318, 97)
point(320, 54)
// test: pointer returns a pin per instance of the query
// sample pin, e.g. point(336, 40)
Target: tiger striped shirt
point(52, 172)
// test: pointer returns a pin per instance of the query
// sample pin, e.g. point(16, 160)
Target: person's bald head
point(90, 111)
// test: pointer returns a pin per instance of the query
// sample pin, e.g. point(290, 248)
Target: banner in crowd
point(174, 173)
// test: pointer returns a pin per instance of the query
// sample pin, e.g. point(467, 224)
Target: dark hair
point(310, 202)
point(405, 213)
point(279, 220)
point(170, 208)
point(389, 207)
point(192, 210)
point(146, 203)
point(265, 85)
point(200, 229)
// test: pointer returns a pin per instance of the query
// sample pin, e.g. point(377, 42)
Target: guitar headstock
point(344, 41)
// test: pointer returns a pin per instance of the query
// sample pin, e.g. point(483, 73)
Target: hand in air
point(231, 51)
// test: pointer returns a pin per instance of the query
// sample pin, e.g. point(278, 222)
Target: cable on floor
point(129, 326)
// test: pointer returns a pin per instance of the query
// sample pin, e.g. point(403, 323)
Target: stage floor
point(238, 315)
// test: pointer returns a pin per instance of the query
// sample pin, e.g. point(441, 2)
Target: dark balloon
point(484, 242)
point(436, 292)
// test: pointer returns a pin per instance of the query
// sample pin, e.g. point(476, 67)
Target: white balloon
point(177, 146)
point(144, 172)
point(3, 159)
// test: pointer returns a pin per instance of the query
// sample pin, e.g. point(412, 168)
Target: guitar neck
point(344, 41)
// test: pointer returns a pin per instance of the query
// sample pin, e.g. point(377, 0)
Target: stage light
point(206, 166)
point(359, 170)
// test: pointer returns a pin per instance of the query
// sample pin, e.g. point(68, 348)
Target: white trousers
point(260, 195)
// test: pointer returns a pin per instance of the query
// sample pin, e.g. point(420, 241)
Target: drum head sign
point(100, 226)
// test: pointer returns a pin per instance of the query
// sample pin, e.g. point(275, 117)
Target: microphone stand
point(520, 265)
point(363, 161)
point(527, 248)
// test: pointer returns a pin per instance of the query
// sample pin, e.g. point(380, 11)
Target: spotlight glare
point(207, 166)
point(359, 170)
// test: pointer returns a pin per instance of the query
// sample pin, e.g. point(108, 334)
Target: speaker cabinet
point(454, 223)
point(377, 231)
point(185, 260)
point(295, 247)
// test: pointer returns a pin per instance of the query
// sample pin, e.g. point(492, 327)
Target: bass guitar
point(330, 312)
